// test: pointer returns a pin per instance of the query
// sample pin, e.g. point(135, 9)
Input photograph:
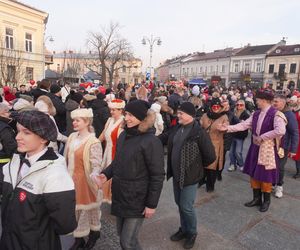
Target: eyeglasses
point(215, 106)
point(240, 105)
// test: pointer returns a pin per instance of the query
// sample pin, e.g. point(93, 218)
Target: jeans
point(236, 152)
point(185, 198)
point(282, 162)
point(128, 230)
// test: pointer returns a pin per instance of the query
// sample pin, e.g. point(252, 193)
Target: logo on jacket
point(22, 196)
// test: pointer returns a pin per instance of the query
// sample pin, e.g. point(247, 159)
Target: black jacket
point(36, 93)
point(241, 134)
point(60, 117)
point(197, 141)
point(7, 139)
point(138, 174)
point(70, 106)
point(39, 208)
point(101, 114)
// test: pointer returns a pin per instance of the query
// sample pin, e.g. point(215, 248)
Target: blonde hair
point(238, 112)
point(89, 120)
point(49, 103)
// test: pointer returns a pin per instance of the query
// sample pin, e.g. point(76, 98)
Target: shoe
point(265, 205)
point(297, 175)
point(241, 169)
point(93, 237)
point(278, 191)
point(190, 241)
point(79, 243)
point(256, 199)
point(219, 177)
point(201, 182)
point(231, 168)
point(210, 189)
point(179, 235)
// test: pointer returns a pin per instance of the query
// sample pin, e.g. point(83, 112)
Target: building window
point(293, 68)
point(187, 71)
point(9, 38)
point(247, 67)
point(58, 68)
point(297, 50)
point(200, 70)
point(124, 69)
point(236, 68)
point(271, 68)
point(211, 69)
point(28, 42)
point(281, 70)
point(11, 73)
point(258, 67)
point(217, 69)
point(223, 68)
point(123, 80)
point(29, 74)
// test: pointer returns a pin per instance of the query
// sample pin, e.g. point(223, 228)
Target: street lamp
point(151, 41)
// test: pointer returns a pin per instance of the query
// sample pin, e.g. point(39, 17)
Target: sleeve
point(242, 126)
point(206, 148)
point(292, 128)
point(154, 159)
point(8, 141)
point(279, 129)
point(96, 157)
point(59, 198)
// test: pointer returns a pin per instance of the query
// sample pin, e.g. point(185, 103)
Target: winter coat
point(60, 116)
point(291, 137)
point(40, 207)
point(36, 93)
point(197, 152)
point(70, 106)
point(8, 144)
point(174, 101)
point(216, 137)
point(137, 171)
point(229, 136)
point(242, 135)
point(101, 114)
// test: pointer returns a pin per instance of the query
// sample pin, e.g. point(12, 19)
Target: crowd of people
point(64, 151)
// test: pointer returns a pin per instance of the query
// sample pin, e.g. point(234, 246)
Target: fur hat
point(82, 113)
point(196, 90)
point(77, 97)
point(155, 107)
point(39, 123)
point(116, 104)
point(138, 108)
point(161, 99)
point(187, 108)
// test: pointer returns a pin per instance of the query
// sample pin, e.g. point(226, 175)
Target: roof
point(213, 55)
point(255, 50)
point(28, 6)
point(50, 74)
point(286, 50)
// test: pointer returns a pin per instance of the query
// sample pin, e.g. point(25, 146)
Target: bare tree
point(107, 50)
point(72, 66)
point(12, 71)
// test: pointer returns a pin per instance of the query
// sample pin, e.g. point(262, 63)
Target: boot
point(267, 200)
point(256, 199)
point(93, 237)
point(79, 243)
point(297, 175)
point(179, 235)
point(190, 241)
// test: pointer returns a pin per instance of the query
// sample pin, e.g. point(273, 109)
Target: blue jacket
point(291, 137)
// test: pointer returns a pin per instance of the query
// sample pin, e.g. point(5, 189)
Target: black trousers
point(210, 176)
point(282, 162)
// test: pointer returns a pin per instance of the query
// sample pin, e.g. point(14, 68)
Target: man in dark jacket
point(60, 116)
point(137, 171)
point(289, 142)
point(189, 151)
point(38, 193)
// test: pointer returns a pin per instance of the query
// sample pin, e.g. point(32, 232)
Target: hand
point(257, 140)
point(148, 212)
point(222, 127)
point(292, 154)
point(99, 180)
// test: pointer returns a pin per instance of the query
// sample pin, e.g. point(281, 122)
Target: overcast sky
point(184, 26)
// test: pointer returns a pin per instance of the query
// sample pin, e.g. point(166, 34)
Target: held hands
point(148, 212)
point(99, 180)
point(257, 140)
point(222, 127)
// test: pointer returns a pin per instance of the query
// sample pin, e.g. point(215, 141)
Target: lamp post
point(51, 39)
point(151, 41)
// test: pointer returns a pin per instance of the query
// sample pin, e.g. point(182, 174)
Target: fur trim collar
point(148, 122)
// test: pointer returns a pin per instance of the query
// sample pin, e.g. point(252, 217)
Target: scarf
point(214, 116)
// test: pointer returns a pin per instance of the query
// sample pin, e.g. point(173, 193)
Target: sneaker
point(190, 241)
point(231, 168)
point(179, 235)
point(241, 169)
point(278, 191)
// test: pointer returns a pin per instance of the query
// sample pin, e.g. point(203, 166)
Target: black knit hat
point(188, 108)
point(266, 94)
point(216, 101)
point(138, 108)
point(55, 88)
point(39, 123)
point(77, 97)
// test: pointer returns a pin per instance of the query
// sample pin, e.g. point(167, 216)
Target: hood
point(22, 104)
point(71, 105)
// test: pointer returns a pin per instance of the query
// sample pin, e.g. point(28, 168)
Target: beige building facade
point(22, 29)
